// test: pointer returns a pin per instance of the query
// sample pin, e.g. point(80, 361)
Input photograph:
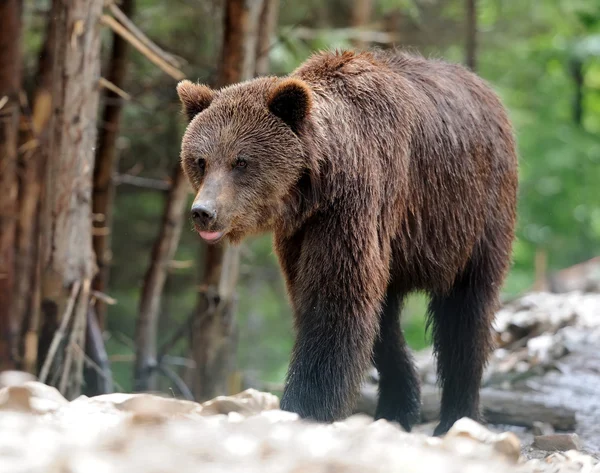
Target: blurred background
point(160, 296)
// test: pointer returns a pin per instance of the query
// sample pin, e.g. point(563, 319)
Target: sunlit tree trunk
point(10, 83)
point(266, 35)
point(66, 250)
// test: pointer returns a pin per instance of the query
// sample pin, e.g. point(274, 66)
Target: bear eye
point(201, 163)
point(240, 163)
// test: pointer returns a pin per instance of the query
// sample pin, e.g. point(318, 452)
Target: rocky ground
point(547, 372)
point(41, 432)
point(547, 365)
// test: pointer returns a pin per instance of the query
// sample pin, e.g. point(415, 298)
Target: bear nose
point(203, 214)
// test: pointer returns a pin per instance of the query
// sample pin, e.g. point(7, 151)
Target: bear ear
point(290, 100)
point(194, 97)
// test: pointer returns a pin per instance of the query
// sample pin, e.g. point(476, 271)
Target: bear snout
point(204, 214)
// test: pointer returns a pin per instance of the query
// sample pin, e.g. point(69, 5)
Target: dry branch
point(102, 82)
point(157, 59)
point(76, 338)
point(104, 297)
point(78, 335)
point(124, 19)
point(143, 182)
point(60, 333)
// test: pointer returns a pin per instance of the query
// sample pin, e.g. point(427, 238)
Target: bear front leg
point(337, 291)
point(399, 386)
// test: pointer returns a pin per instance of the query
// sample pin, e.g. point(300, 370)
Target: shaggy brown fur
point(379, 173)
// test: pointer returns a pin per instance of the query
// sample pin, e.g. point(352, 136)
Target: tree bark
point(162, 254)
point(214, 332)
point(361, 15)
point(266, 33)
point(66, 249)
point(240, 39)
point(31, 182)
point(10, 84)
point(106, 162)
point(471, 38)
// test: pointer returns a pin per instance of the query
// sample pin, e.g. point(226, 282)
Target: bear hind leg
point(399, 391)
point(462, 337)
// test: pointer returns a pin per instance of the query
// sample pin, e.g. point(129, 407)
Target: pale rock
point(15, 398)
point(246, 403)
point(15, 378)
point(31, 396)
point(506, 443)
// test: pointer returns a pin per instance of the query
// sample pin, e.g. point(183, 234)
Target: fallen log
point(499, 407)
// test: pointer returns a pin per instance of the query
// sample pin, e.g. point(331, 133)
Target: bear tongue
point(211, 235)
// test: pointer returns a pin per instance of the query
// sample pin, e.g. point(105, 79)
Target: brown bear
point(379, 173)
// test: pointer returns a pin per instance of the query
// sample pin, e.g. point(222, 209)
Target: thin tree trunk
point(361, 15)
point(10, 84)
point(471, 39)
point(576, 69)
point(106, 162)
point(66, 248)
point(213, 333)
point(266, 34)
point(31, 183)
point(162, 254)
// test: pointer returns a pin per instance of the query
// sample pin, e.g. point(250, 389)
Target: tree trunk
point(106, 162)
point(10, 84)
point(471, 40)
point(162, 254)
point(66, 248)
point(31, 182)
point(361, 15)
point(213, 333)
point(577, 73)
point(266, 33)
point(240, 39)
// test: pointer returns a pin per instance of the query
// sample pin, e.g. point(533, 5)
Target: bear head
point(243, 153)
